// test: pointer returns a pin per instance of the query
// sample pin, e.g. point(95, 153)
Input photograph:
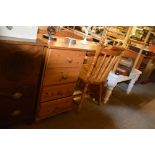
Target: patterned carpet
point(134, 111)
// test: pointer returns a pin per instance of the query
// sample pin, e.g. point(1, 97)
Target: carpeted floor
point(136, 110)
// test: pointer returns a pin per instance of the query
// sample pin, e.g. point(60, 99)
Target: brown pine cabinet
point(20, 69)
point(61, 72)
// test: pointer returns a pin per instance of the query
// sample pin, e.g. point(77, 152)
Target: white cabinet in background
point(25, 32)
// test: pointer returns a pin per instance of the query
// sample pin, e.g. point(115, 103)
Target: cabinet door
point(20, 69)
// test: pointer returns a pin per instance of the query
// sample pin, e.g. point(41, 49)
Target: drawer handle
point(64, 77)
point(17, 95)
point(16, 113)
point(56, 109)
point(59, 93)
point(69, 60)
point(46, 94)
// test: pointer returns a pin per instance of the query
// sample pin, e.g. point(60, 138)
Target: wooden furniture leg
point(100, 93)
point(132, 82)
point(82, 96)
point(113, 79)
point(110, 86)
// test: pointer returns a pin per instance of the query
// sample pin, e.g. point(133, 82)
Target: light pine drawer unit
point(61, 71)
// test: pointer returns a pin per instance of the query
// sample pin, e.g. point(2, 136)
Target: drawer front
point(60, 76)
point(54, 107)
point(62, 58)
point(56, 92)
point(16, 104)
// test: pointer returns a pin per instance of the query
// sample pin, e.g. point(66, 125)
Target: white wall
point(26, 32)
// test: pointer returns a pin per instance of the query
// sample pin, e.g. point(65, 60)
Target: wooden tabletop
point(62, 44)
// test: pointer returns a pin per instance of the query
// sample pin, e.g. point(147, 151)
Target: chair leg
point(82, 96)
point(100, 93)
point(108, 94)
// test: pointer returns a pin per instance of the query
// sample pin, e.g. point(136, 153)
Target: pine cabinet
point(62, 67)
point(20, 70)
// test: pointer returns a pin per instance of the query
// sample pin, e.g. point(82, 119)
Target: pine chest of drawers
point(21, 66)
point(62, 67)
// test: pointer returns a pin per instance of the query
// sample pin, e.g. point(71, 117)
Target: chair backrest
point(103, 62)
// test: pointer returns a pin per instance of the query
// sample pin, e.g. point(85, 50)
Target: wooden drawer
point(54, 107)
point(60, 76)
point(62, 58)
point(56, 92)
point(16, 104)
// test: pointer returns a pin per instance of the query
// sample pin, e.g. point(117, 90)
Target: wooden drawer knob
point(56, 109)
point(16, 113)
point(64, 77)
point(17, 95)
point(59, 93)
point(46, 94)
point(69, 60)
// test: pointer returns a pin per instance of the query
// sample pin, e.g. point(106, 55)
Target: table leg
point(110, 86)
point(132, 82)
